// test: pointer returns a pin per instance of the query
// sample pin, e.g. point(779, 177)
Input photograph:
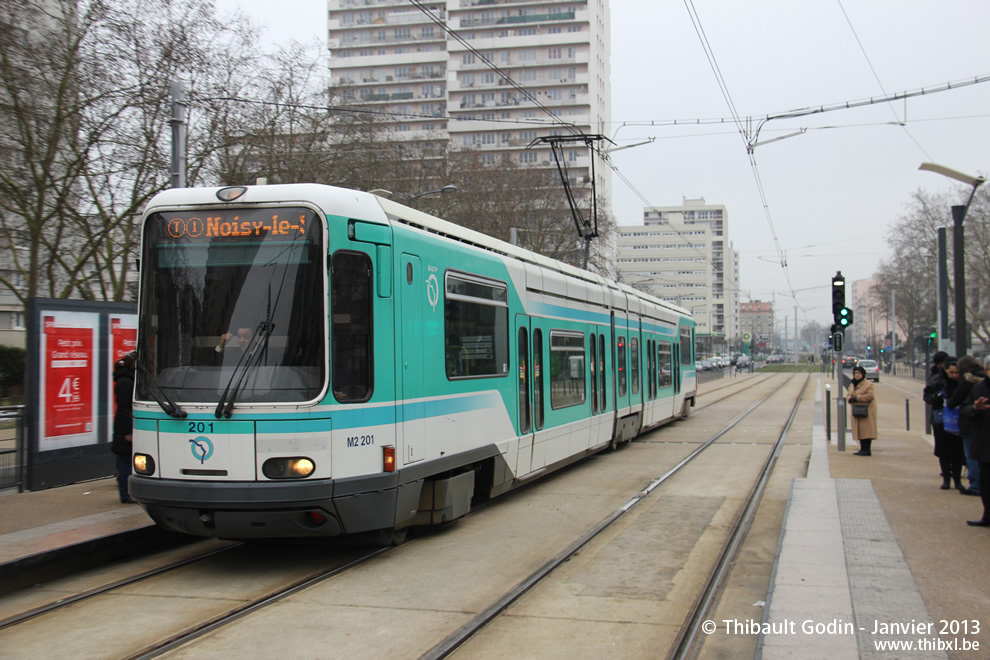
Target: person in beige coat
point(864, 429)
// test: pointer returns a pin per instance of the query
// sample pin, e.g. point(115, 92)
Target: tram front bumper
point(297, 509)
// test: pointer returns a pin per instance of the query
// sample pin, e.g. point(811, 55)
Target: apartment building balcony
point(516, 20)
point(398, 96)
point(351, 77)
point(498, 3)
point(352, 39)
point(346, 5)
point(403, 17)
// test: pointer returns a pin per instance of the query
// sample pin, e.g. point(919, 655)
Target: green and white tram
point(315, 361)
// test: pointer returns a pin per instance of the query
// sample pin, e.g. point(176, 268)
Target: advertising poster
point(122, 340)
point(69, 377)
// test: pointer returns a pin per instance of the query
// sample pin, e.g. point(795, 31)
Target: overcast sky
point(834, 192)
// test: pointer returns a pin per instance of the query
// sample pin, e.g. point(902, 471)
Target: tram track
point(687, 641)
point(168, 637)
point(709, 404)
point(170, 640)
point(176, 640)
point(66, 601)
point(179, 639)
point(459, 637)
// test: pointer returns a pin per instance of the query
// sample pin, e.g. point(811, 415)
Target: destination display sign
point(236, 223)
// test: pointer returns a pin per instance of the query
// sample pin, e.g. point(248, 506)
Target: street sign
point(837, 342)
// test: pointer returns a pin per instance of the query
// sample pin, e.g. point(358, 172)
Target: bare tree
point(910, 274)
point(88, 130)
point(41, 44)
point(497, 199)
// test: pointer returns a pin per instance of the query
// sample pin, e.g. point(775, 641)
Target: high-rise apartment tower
point(683, 254)
point(392, 57)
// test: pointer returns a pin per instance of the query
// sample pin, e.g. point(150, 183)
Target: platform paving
point(840, 570)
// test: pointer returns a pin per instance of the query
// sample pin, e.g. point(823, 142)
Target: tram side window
point(620, 360)
point(538, 378)
point(351, 330)
point(686, 358)
point(651, 369)
point(523, 382)
point(594, 375)
point(567, 371)
point(666, 365)
point(476, 318)
point(634, 368)
point(602, 374)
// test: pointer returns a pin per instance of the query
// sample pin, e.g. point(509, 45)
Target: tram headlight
point(288, 468)
point(144, 464)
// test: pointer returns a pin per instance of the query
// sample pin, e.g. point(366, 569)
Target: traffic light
point(845, 317)
point(932, 338)
point(838, 295)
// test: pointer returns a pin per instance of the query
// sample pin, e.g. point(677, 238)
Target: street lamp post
point(959, 277)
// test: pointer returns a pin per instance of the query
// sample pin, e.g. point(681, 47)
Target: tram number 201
point(360, 440)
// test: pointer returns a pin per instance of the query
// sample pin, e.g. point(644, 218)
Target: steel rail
point(456, 639)
point(688, 635)
point(96, 591)
point(190, 634)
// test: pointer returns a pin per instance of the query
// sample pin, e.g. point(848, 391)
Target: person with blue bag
point(948, 442)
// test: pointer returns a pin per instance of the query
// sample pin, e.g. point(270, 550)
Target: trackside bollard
point(907, 414)
point(828, 413)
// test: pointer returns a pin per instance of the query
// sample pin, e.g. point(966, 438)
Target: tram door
point(411, 413)
point(525, 409)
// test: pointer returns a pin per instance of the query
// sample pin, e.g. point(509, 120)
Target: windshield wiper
point(162, 398)
point(249, 360)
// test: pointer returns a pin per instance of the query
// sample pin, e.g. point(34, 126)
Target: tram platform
point(874, 559)
point(65, 524)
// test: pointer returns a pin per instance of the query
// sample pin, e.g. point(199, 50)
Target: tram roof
point(355, 203)
point(442, 227)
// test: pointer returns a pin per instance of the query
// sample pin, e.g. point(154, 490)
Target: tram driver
point(243, 336)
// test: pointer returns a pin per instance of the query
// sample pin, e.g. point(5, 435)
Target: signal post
point(842, 318)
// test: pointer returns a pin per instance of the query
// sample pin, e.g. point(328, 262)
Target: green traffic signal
point(845, 317)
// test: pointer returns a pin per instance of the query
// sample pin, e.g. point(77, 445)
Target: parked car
point(872, 369)
point(707, 365)
point(698, 366)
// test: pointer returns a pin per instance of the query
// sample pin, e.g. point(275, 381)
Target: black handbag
point(861, 409)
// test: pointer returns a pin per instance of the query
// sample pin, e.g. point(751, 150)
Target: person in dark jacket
point(123, 425)
point(970, 373)
point(948, 446)
point(977, 411)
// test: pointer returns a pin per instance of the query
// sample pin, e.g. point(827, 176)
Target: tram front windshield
point(233, 296)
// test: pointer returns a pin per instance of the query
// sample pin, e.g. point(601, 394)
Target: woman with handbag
point(863, 406)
